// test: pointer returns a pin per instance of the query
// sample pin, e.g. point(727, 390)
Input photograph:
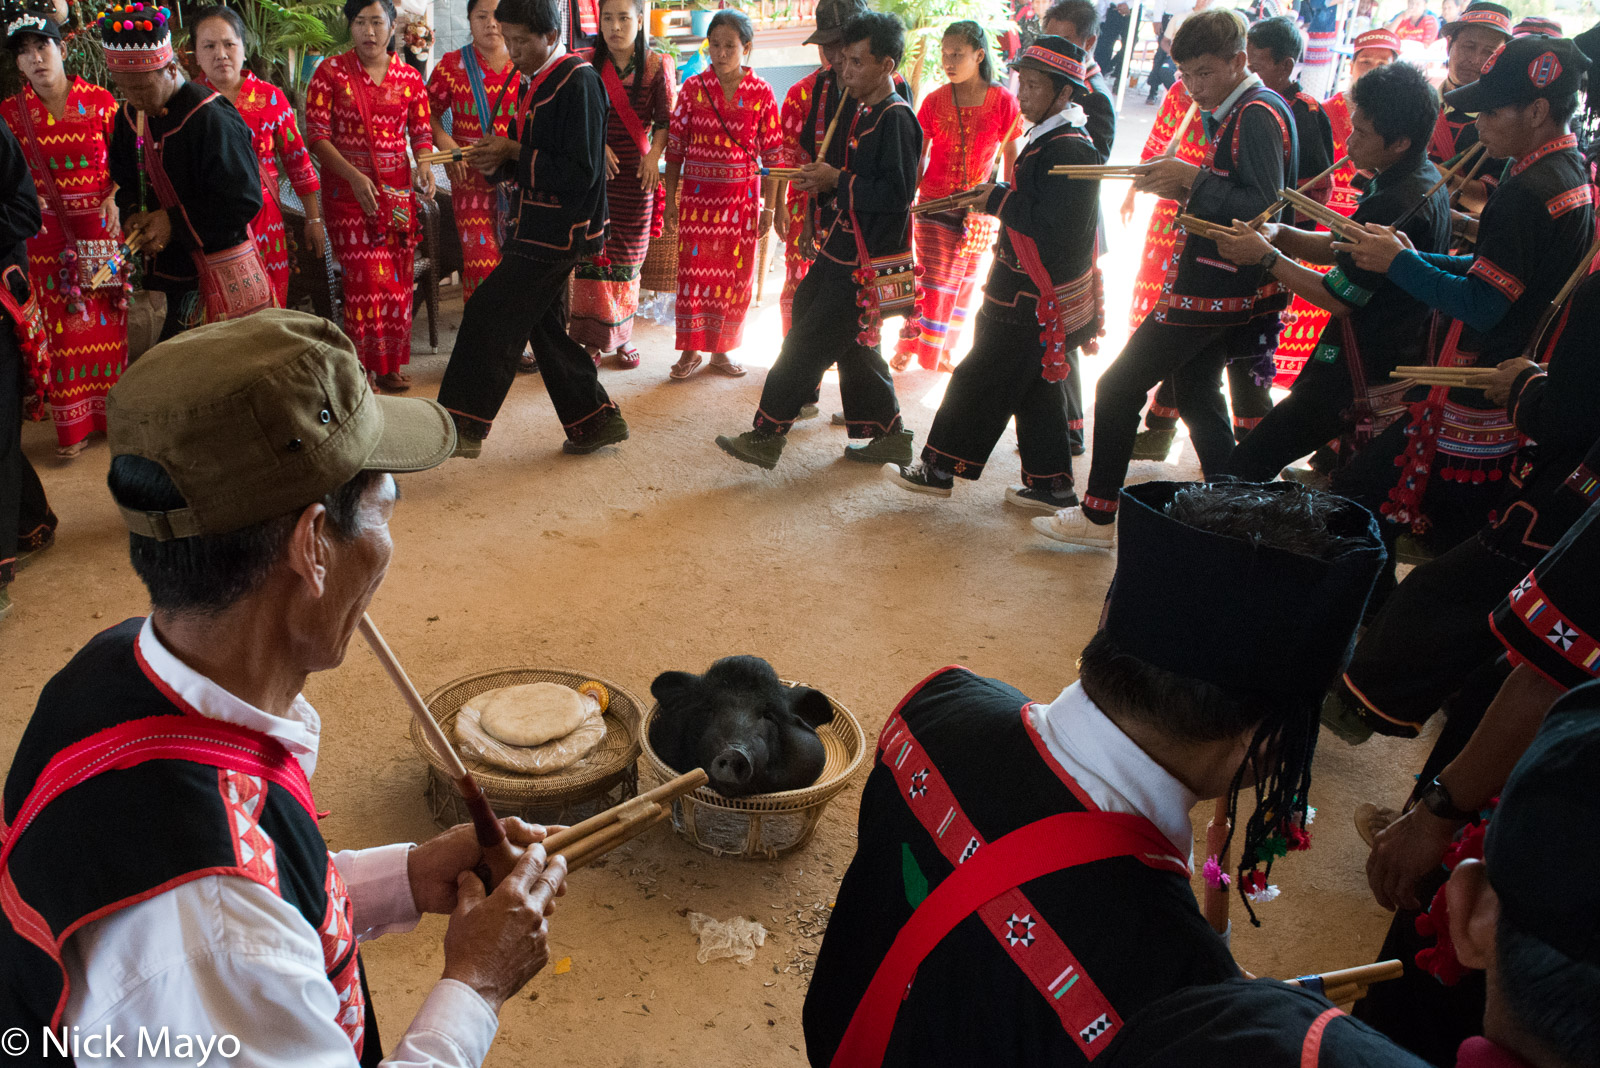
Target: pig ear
point(671, 687)
point(810, 705)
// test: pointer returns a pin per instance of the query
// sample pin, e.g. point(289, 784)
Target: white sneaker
point(1070, 526)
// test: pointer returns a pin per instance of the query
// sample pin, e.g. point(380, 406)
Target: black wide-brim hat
point(1239, 614)
point(1057, 57)
point(831, 18)
point(1521, 71)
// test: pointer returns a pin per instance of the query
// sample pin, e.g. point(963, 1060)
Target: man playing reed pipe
point(1483, 27)
point(1026, 344)
point(163, 866)
point(1021, 882)
point(557, 160)
point(1441, 468)
point(864, 249)
point(1376, 324)
point(1210, 311)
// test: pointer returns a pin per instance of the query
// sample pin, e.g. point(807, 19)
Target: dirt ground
point(665, 553)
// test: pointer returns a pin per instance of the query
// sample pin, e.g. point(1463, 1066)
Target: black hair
point(1082, 14)
point(536, 16)
point(973, 35)
point(226, 14)
point(1280, 36)
point(1550, 996)
point(472, 4)
point(353, 8)
point(885, 33)
point(1562, 109)
point(206, 573)
point(641, 48)
point(1283, 727)
point(737, 21)
point(1400, 102)
point(15, 42)
point(1212, 32)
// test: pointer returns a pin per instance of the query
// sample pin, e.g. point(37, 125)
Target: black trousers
point(825, 324)
point(1309, 417)
point(25, 517)
point(1191, 358)
point(174, 324)
point(1073, 387)
point(1162, 73)
point(1002, 378)
point(1107, 51)
point(522, 301)
point(1432, 632)
point(1251, 402)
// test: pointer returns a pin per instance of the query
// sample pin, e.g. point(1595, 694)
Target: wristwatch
point(1270, 260)
point(1437, 800)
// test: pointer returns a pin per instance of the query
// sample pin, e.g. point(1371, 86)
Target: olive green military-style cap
point(254, 418)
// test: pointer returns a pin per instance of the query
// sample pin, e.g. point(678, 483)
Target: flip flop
point(680, 370)
point(627, 357)
point(728, 367)
point(394, 382)
point(899, 362)
point(1371, 818)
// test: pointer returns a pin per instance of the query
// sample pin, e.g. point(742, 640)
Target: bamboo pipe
point(131, 244)
point(1353, 980)
point(1336, 223)
point(1548, 316)
point(808, 234)
point(1198, 226)
point(661, 795)
point(1217, 898)
point(1449, 173)
point(1183, 128)
point(1473, 173)
point(608, 838)
point(954, 200)
point(1278, 205)
point(498, 852)
point(1090, 171)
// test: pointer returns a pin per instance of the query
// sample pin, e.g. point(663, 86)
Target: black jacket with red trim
point(880, 161)
point(1551, 621)
point(124, 836)
point(1136, 931)
point(561, 172)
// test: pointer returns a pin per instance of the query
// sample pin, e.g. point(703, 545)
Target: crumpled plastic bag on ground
point(737, 938)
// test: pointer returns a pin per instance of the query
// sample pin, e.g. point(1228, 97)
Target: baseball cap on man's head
point(831, 17)
point(31, 23)
point(1521, 71)
point(253, 418)
point(1379, 38)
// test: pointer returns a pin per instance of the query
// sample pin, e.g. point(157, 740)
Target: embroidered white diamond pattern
point(1100, 1026)
point(1562, 635)
point(919, 784)
point(971, 848)
point(1019, 930)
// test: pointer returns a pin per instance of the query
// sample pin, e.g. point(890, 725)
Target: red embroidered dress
point(275, 135)
point(1160, 238)
point(605, 291)
point(473, 200)
point(88, 332)
point(962, 145)
point(377, 261)
point(719, 202)
point(796, 112)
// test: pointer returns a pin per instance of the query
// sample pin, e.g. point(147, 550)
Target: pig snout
point(733, 766)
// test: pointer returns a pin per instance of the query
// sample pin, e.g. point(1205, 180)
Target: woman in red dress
point(484, 68)
point(605, 290)
point(64, 125)
point(965, 124)
point(363, 108)
point(219, 49)
point(724, 128)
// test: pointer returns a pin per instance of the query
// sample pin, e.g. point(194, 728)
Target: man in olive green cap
point(164, 866)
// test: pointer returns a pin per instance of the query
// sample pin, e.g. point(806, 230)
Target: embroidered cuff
point(380, 889)
point(1508, 284)
point(1339, 284)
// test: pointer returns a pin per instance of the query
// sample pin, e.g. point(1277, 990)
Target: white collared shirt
point(1071, 115)
point(1117, 775)
point(1219, 114)
point(555, 54)
point(224, 955)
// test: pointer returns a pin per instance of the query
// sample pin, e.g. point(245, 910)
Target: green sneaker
point(613, 430)
point(1153, 445)
point(467, 448)
point(759, 447)
point(809, 411)
point(892, 448)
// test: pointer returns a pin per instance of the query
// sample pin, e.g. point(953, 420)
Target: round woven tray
point(762, 825)
point(659, 272)
point(605, 777)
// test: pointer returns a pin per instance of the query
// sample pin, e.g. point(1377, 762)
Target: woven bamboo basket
point(763, 826)
point(607, 776)
point(659, 271)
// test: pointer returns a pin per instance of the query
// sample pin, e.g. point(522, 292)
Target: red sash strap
point(525, 104)
point(30, 148)
point(986, 882)
point(1444, 139)
point(623, 106)
point(1311, 1049)
point(358, 89)
point(194, 738)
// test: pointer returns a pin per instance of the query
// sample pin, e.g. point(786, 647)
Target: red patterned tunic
point(275, 134)
point(1159, 238)
point(474, 201)
point(377, 261)
point(88, 331)
point(793, 117)
point(962, 146)
point(719, 202)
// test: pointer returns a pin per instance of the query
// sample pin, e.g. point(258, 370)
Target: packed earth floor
point(665, 553)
